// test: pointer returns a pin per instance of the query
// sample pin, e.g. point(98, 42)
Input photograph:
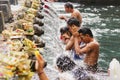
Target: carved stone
point(1, 21)
point(5, 9)
point(6, 2)
point(14, 2)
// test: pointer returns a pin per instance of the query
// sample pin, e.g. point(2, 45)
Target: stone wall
point(14, 2)
point(1, 21)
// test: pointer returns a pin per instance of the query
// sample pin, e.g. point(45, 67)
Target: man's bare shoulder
point(76, 11)
point(75, 14)
point(93, 44)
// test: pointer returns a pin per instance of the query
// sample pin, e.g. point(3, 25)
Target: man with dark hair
point(85, 31)
point(65, 64)
point(74, 12)
point(74, 26)
point(91, 49)
point(68, 5)
point(73, 21)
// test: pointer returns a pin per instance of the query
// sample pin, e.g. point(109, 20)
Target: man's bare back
point(77, 15)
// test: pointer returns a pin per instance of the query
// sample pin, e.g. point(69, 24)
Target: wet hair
point(64, 30)
point(64, 63)
point(73, 21)
point(69, 5)
point(80, 74)
point(85, 31)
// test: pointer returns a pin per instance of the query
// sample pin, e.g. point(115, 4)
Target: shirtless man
point(91, 49)
point(74, 26)
point(74, 12)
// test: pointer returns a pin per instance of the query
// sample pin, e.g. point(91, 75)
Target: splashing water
point(54, 47)
point(91, 17)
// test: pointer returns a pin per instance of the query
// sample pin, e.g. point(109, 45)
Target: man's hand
point(63, 18)
point(39, 65)
point(76, 34)
point(77, 50)
point(77, 47)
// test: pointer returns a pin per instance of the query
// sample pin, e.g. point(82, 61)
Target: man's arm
point(40, 63)
point(41, 73)
point(79, 50)
point(63, 18)
point(70, 44)
point(42, 76)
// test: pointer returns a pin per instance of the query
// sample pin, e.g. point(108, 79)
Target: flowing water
point(104, 22)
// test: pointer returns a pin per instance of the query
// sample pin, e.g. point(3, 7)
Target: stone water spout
point(14, 2)
point(6, 9)
point(51, 8)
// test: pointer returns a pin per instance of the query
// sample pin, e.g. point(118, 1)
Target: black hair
point(73, 21)
point(69, 5)
point(85, 31)
point(81, 74)
point(64, 63)
point(65, 30)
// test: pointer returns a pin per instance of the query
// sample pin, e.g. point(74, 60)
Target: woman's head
point(64, 30)
point(64, 63)
point(65, 34)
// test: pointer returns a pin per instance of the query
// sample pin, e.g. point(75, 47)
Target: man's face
point(84, 38)
point(67, 9)
point(73, 29)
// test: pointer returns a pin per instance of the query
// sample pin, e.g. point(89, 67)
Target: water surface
point(104, 22)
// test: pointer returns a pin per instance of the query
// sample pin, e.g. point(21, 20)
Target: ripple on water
point(103, 25)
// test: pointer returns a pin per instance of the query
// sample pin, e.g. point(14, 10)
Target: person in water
point(91, 49)
point(39, 66)
point(65, 65)
point(65, 34)
point(74, 12)
point(74, 26)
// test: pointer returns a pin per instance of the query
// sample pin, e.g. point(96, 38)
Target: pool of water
point(104, 22)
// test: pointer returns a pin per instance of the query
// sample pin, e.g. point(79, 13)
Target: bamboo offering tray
point(15, 48)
